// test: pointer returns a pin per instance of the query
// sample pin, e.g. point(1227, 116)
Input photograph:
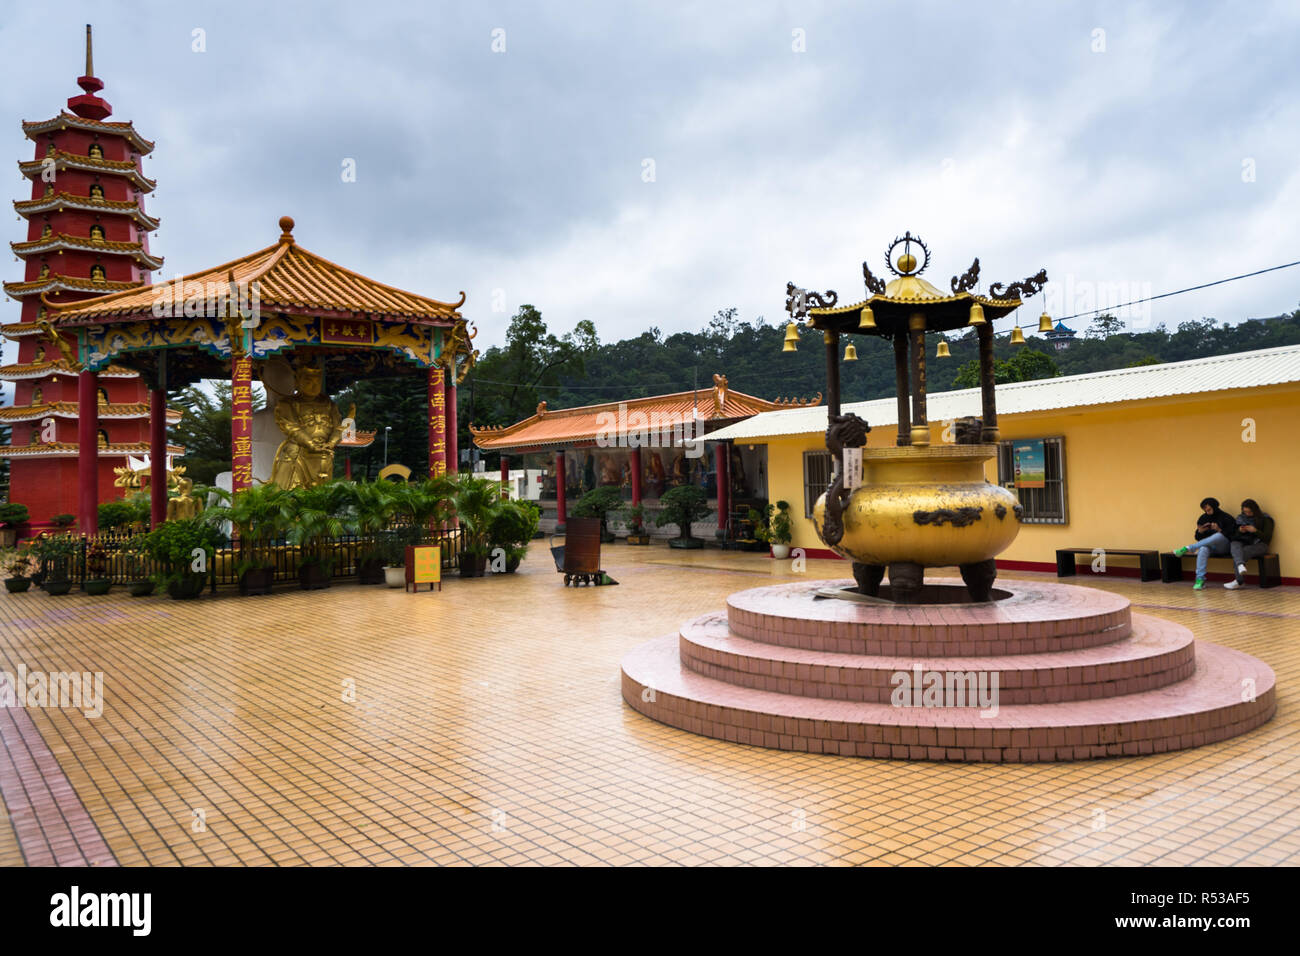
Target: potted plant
point(634, 515)
point(777, 532)
point(598, 503)
point(750, 533)
point(476, 501)
point(55, 554)
point(512, 528)
point(138, 581)
point(183, 551)
point(257, 518)
point(417, 507)
point(63, 520)
point(391, 550)
point(682, 506)
point(18, 567)
point(373, 505)
point(98, 580)
point(315, 515)
point(12, 515)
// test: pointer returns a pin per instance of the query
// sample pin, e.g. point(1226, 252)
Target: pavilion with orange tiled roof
point(609, 437)
point(278, 301)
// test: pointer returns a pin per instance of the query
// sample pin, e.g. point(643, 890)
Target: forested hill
point(576, 369)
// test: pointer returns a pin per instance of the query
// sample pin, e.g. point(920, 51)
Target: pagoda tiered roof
point(118, 410)
point(62, 240)
point(27, 370)
point(32, 168)
point(57, 282)
point(70, 120)
point(289, 278)
point(64, 449)
point(57, 202)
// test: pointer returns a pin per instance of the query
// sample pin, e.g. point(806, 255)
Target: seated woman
point(1254, 531)
point(1214, 532)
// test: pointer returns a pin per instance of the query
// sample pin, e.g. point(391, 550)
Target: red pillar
point(88, 452)
point(241, 423)
point(157, 456)
point(449, 401)
point(561, 513)
point(505, 477)
point(347, 467)
point(634, 465)
point(723, 452)
point(437, 424)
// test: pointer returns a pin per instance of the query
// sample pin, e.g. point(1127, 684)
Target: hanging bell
point(791, 332)
point(789, 346)
point(976, 314)
point(868, 320)
point(942, 351)
point(1017, 337)
point(850, 353)
point(1044, 323)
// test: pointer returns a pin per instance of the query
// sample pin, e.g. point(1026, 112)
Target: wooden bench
point(1270, 568)
point(1148, 561)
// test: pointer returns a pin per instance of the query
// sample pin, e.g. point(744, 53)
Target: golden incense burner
point(916, 505)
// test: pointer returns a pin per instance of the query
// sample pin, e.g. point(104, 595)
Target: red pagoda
point(87, 235)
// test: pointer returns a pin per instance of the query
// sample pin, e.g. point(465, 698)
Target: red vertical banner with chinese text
point(437, 424)
point(241, 423)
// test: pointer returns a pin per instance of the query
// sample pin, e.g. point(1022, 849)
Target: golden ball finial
point(286, 228)
point(906, 263)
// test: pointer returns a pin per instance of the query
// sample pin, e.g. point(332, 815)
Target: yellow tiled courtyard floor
point(487, 727)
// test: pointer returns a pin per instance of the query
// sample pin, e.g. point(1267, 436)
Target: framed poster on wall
point(1030, 463)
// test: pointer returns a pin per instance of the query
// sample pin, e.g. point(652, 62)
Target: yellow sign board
point(424, 566)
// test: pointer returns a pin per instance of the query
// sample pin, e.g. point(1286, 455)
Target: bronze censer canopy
point(916, 505)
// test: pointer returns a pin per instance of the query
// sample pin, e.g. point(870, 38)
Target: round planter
point(187, 588)
point(929, 506)
point(371, 571)
point(98, 586)
point(17, 585)
point(472, 565)
point(313, 577)
point(688, 544)
point(140, 588)
point(512, 564)
point(780, 551)
point(395, 577)
point(256, 581)
point(57, 588)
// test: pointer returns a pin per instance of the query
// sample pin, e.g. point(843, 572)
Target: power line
point(1193, 288)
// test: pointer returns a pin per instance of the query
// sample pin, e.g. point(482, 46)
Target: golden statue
point(312, 426)
point(184, 505)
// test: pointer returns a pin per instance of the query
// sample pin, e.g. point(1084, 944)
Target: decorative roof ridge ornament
point(907, 265)
point(968, 279)
point(798, 301)
point(874, 286)
point(1020, 290)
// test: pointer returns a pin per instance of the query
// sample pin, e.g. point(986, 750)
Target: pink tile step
point(1155, 654)
point(1038, 616)
point(1229, 693)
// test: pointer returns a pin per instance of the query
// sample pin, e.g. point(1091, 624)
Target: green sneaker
point(1199, 585)
point(1181, 551)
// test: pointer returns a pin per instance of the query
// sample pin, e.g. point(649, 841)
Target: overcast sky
point(1123, 146)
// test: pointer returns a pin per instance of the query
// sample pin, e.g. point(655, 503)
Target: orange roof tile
point(290, 279)
point(31, 207)
point(113, 410)
point(36, 128)
point(65, 160)
point(63, 240)
point(565, 426)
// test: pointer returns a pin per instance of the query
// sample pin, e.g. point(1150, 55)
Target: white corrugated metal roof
point(1222, 372)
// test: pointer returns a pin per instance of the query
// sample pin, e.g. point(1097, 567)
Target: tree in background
point(1104, 325)
point(204, 428)
point(1024, 365)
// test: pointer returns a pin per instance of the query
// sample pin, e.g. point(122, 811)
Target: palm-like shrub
point(316, 514)
point(476, 502)
point(513, 527)
point(258, 516)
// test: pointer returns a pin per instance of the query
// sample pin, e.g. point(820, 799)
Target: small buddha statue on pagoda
point(312, 426)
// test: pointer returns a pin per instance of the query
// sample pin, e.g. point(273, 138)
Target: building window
point(816, 478)
point(1041, 490)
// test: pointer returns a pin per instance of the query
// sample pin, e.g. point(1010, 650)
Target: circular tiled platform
point(1065, 673)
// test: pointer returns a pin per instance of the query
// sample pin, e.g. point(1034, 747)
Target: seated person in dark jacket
point(1254, 531)
point(1214, 532)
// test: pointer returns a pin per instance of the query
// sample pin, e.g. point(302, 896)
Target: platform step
point(1156, 653)
point(1039, 616)
point(1228, 693)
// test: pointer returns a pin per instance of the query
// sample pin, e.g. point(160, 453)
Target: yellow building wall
point(1134, 472)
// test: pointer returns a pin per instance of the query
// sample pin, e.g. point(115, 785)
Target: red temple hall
point(87, 234)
